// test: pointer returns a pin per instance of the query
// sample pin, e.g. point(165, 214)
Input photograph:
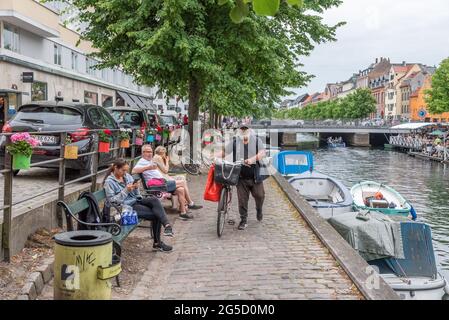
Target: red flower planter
point(103, 147)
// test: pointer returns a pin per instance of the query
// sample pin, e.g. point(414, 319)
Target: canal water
point(424, 184)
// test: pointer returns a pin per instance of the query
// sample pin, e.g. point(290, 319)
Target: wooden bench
point(119, 233)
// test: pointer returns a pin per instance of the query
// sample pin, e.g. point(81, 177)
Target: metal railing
point(8, 173)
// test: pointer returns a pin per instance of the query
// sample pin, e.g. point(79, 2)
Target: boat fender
point(413, 213)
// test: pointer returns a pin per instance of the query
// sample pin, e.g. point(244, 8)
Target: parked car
point(133, 118)
point(60, 116)
point(170, 121)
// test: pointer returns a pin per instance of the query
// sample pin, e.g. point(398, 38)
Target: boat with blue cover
point(400, 250)
point(292, 163)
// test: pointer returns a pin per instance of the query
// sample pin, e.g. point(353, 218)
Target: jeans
point(244, 188)
point(151, 209)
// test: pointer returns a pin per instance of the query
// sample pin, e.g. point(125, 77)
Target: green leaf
point(266, 7)
point(222, 2)
point(298, 3)
point(239, 12)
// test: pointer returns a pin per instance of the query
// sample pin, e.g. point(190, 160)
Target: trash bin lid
point(83, 238)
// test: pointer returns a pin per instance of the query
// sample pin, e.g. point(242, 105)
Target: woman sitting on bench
point(150, 171)
point(121, 190)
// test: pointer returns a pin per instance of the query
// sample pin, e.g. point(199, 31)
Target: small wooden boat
point(374, 196)
point(326, 194)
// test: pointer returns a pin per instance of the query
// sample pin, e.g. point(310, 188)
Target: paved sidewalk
point(279, 258)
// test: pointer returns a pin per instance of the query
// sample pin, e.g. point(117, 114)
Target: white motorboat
point(328, 195)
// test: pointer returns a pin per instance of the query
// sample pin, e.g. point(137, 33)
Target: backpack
point(91, 214)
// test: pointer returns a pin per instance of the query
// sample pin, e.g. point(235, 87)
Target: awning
point(414, 126)
point(148, 103)
point(127, 99)
point(139, 102)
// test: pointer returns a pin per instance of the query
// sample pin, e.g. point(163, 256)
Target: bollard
point(83, 265)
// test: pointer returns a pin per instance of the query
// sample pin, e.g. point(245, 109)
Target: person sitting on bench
point(121, 190)
point(148, 167)
point(162, 161)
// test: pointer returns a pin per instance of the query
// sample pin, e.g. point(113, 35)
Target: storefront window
point(106, 101)
point(90, 97)
point(38, 91)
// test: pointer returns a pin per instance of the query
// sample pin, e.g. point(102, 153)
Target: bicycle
point(191, 166)
point(224, 204)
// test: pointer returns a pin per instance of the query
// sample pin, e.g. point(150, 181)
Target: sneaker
point(162, 247)
point(168, 232)
point(185, 216)
point(259, 215)
point(242, 225)
point(195, 207)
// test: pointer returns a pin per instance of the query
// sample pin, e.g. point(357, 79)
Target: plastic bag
point(212, 190)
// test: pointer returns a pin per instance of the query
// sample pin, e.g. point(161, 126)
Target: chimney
point(404, 63)
point(377, 60)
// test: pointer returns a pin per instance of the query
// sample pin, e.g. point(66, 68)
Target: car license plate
point(46, 139)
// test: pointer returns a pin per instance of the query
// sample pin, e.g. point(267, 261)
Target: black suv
point(60, 116)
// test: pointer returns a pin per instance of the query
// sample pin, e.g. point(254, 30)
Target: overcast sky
point(403, 30)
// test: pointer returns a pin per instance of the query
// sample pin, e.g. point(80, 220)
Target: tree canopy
point(437, 98)
point(357, 105)
point(192, 49)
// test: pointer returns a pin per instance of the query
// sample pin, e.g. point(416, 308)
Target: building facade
point(42, 59)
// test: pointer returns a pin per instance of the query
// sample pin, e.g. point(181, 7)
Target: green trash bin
point(83, 265)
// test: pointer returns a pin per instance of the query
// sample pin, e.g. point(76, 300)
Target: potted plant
point(104, 137)
point(21, 150)
point(70, 151)
point(150, 135)
point(124, 137)
point(139, 138)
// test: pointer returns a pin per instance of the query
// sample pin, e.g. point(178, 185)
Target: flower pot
point(158, 137)
point(20, 161)
point(124, 144)
point(165, 134)
point(150, 138)
point(71, 152)
point(139, 141)
point(103, 147)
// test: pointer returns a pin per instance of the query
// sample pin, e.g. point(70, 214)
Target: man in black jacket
point(248, 147)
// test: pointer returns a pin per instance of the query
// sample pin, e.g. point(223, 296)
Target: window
point(108, 120)
point(11, 38)
point(38, 91)
point(57, 53)
point(90, 64)
point(74, 61)
point(96, 118)
point(186, 107)
point(90, 97)
point(106, 101)
point(159, 95)
point(171, 107)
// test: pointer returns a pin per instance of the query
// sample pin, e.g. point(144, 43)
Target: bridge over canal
point(354, 135)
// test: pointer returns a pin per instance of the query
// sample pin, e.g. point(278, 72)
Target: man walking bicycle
point(247, 146)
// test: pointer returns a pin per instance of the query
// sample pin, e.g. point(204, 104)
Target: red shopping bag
point(213, 189)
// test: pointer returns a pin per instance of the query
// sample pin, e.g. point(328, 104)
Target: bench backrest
point(82, 204)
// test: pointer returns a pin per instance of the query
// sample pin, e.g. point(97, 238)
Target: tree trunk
point(194, 106)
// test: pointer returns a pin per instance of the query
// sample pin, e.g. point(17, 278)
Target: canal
point(424, 184)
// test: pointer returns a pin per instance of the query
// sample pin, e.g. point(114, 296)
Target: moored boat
point(400, 250)
point(326, 194)
point(374, 196)
point(292, 163)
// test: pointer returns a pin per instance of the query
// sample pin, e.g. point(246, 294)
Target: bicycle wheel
point(222, 211)
point(191, 168)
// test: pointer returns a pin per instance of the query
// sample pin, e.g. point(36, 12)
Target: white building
point(41, 60)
